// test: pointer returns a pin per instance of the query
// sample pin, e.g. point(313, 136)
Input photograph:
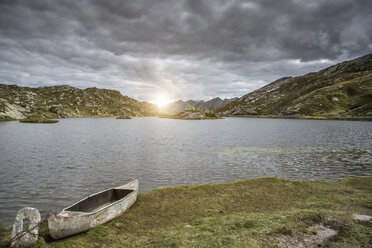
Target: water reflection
point(51, 166)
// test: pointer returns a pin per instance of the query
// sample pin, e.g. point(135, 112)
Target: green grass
point(123, 117)
point(6, 118)
point(38, 119)
point(251, 213)
point(306, 117)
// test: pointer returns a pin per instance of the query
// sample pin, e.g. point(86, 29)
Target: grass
point(252, 213)
point(123, 117)
point(38, 119)
point(6, 118)
point(306, 117)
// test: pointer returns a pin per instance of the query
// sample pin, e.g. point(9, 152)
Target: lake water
point(50, 166)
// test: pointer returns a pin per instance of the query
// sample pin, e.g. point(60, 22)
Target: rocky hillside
point(66, 101)
point(212, 104)
point(344, 89)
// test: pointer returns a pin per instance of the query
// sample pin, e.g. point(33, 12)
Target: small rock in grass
point(363, 218)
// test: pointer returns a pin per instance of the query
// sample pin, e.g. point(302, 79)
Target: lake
point(50, 166)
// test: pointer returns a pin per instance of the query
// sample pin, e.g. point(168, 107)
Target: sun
point(161, 101)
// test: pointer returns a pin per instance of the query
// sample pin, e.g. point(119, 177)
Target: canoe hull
point(68, 223)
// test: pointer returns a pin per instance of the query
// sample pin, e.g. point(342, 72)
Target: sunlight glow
point(161, 101)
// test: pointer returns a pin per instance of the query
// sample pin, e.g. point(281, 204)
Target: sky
point(184, 49)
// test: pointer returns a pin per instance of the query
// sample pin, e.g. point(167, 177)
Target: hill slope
point(344, 89)
point(66, 101)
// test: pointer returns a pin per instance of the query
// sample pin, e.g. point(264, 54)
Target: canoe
point(93, 210)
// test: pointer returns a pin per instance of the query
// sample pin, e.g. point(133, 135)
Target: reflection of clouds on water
point(300, 162)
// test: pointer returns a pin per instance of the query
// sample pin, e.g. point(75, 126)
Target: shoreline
point(81, 117)
point(328, 118)
point(258, 212)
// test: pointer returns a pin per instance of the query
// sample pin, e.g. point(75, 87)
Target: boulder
point(20, 237)
point(194, 116)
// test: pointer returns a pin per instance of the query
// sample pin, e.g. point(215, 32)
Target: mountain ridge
point(212, 104)
point(63, 101)
point(343, 89)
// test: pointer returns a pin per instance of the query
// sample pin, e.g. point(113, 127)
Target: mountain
point(66, 101)
point(180, 106)
point(344, 89)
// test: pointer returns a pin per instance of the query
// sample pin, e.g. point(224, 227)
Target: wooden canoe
point(93, 210)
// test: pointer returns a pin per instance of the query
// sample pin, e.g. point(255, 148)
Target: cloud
point(195, 49)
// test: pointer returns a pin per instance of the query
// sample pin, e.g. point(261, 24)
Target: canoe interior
point(99, 200)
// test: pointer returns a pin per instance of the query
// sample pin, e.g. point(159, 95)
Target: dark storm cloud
point(190, 48)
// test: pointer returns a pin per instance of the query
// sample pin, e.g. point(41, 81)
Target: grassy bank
point(6, 118)
point(37, 119)
point(264, 212)
point(336, 118)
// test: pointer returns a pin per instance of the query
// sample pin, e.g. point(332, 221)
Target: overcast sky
point(187, 49)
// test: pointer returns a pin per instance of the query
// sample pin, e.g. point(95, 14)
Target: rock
point(194, 116)
point(335, 99)
point(250, 112)
point(14, 111)
point(30, 237)
point(323, 234)
point(318, 236)
point(363, 218)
